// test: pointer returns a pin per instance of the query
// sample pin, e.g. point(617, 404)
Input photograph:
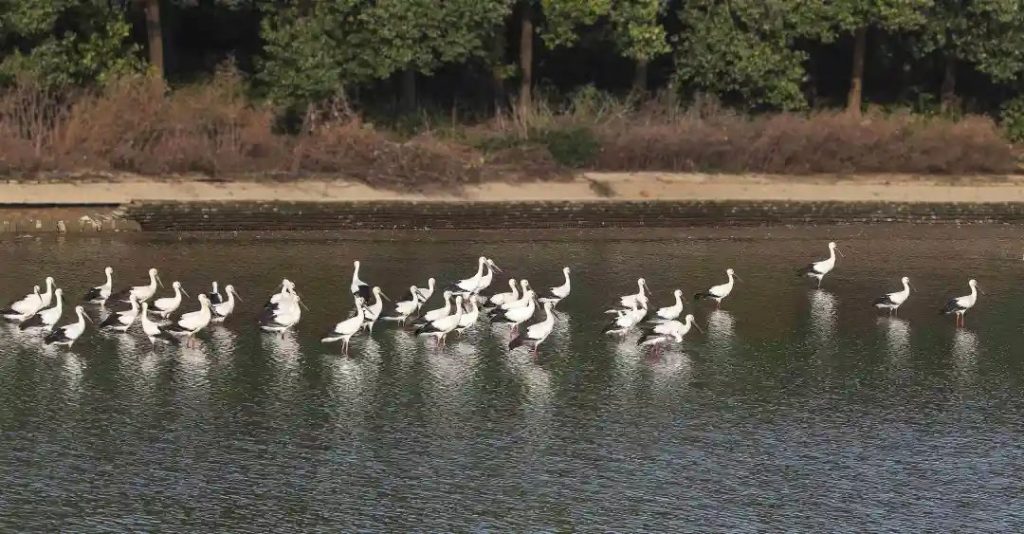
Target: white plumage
point(558, 293)
point(371, 312)
point(100, 293)
point(666, 332)
point(960, 305)
point(152, 330)
point(670, 313)
point(25, 307)
point(639, 298)
point(67, 334)
point(893, 301)
point(141, 293)
point(440, 328)
point(46, 317)
point(721, 291)
point(512, 294)
point(819, 269)
point(536, 333)
point(120, 321)
point(224, 309)
point(194, 322)
point(344, 330)
point(166, 306)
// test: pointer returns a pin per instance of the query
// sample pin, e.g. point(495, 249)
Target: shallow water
point(798, 408)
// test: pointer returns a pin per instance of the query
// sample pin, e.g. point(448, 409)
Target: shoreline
point(589, 186)
point(588, 200)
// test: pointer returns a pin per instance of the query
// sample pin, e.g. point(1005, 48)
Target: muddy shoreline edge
point(590, 200)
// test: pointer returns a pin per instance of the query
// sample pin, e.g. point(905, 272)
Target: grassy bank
point(137, 125)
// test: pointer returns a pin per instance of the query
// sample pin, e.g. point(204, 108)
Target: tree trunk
point(855, 96)
point(640, 76)
point(526, 59)
point(497, 71)
point(154, 36)
point(948, 90)
point(408, 92)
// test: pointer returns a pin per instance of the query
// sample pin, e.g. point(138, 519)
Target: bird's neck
point(110, 279)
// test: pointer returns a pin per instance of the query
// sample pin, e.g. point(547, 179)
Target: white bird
point(371, 312)
point(522, 301)
point(192, 323)
point(166, 306)
point(46, 317)
point(508, 296)
point(665, 332)
point(100, 293)
point(517, 315)
point(282, 313)
point(435, 314)
point(222, 310)
point(625, 320)
point(670, 313)
point(406, 307)
point(469, 317)
point(46, 297)
point(344, 330)
point(557, 293)
point(487, 278)
point(640, 297)
point(359, 287)
point(23, 308)
point(67, 334)
point(153, 330)
point(472, 284)
point(536, 333)
point(960, 305)
point(120, 321)
point(893, 301)
point(720, 292)
point(214, 294)
point(141, 293)
point(287, 288)
point(440, 328)
point(819, 269)
point(423, 294)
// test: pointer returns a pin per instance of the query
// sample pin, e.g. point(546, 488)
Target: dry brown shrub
point(801, 144)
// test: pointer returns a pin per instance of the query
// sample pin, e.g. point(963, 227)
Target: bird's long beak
point(159, 281)
point(237, 296)
point(183, 292)
point(496, 268)
point(87, 318)
point(303, 304)
point(648, 290)
point(840, 252)
point(697, 326)
point(737, 277)
point(385, 297)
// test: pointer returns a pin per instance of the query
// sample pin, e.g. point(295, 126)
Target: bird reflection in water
point(897, 337)
point(721, 330)
point(965, 354)
point(824, 314)
point(283, 347)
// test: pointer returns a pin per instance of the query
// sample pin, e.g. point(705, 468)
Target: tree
point(744, 50)
point(988, 34)
point(856, 17)
point(65, 43)
point(639, 35)
point(315, 49)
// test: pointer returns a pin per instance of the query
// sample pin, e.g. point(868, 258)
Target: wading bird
point(473, 283)
point(558, 293)
point(469, 317)
point(536, 333)
point(46, 317)
point(120, 321)
point(405, 308)
point(819, 269)
point(192, 323)
point(67, 334)
point(666, 332)
point(668, 313)
point(516, 315)
point(23, 308)
point(166, 306)
point(371, 312)
point(639, 298)
point(153, 330)
point(720, 292)
point(344, 330)
point(440, 328)
point(141, 293)
point(358, 287)
point(893, 301)
point(283, 312)
point(960, 305)
point(100, 293)
point(625, 320)
point(214, 294)
point(222, 310)
point(498, 299)
point(435, 314)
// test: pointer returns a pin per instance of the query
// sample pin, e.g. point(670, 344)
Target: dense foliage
point(949, 56)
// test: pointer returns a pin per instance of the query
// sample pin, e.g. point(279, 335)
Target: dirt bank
point(589, 200)
point(123, 189)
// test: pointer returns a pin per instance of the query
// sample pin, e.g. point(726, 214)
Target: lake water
point(798, 409)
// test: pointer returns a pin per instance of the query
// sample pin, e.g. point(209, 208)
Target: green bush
point(573, 147)
point(1012, 119)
